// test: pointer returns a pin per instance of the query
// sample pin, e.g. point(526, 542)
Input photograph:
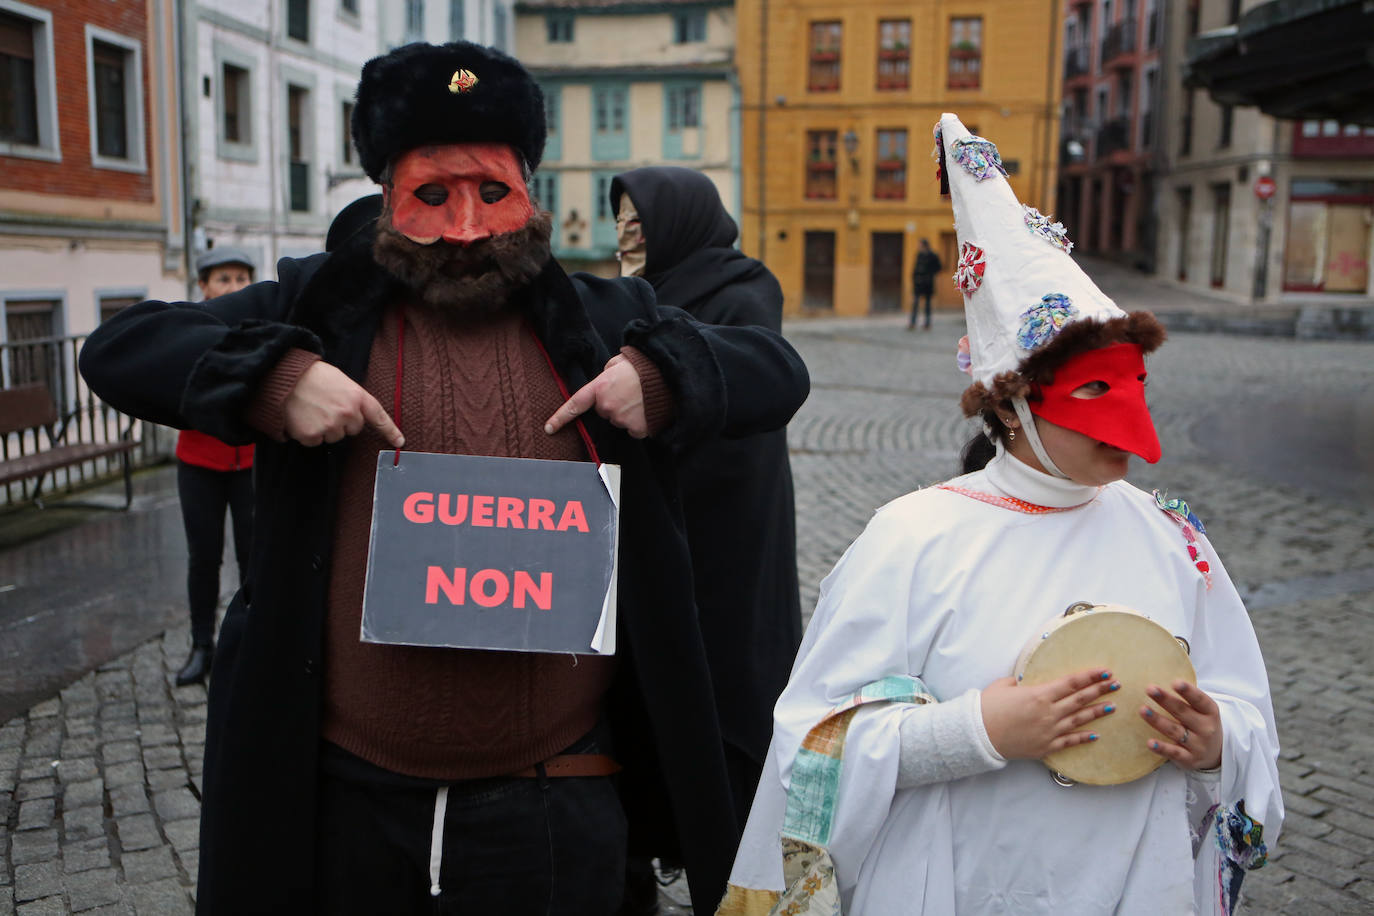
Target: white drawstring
point(436, 840)
point(1028, 430)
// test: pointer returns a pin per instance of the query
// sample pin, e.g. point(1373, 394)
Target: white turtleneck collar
point(1010, 476)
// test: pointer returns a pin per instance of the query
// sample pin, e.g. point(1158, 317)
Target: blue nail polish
point(1114, 687)
point(1149, 712)
point(1106, 674)
point(1154, 744)
point(1092, 737)
point(1109, 709)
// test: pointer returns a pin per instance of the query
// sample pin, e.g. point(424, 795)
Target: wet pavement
point(1267, 439)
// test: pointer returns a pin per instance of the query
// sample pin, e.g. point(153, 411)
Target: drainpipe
point(763, 118)
point(1051, 135)
point(183, 111)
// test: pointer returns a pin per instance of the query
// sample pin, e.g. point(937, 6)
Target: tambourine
point(1138, 652)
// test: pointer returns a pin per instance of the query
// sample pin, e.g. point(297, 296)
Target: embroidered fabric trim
point(1040, 323)
point(1241, 841)
point(968, 276)
point(1190, 525)
point(1047, 228)
point(1007, 502)
point(979, 157)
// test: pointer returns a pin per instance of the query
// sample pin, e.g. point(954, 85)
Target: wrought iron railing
point(83, 418)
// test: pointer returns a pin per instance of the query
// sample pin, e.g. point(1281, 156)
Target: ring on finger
point(1184, 739)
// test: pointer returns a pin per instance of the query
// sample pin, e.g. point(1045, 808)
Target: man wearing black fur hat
point(352, 777)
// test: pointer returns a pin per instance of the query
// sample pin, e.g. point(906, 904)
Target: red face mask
point(1118, 416)
point(458, 192)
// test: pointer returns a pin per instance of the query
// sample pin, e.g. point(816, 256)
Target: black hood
point(688, 236)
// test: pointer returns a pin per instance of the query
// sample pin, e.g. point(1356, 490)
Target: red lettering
point(508, 509)
point(479, 587)
point(541, 514)
point(456, 515)
point(542, 594)
point(481, 511)
point(435, 580)
point(573, 517)
point(419, 508)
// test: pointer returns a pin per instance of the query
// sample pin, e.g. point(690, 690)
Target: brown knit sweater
point(452, 713)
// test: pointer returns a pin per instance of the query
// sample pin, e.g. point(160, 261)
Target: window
point(113, 305)
point(346, 155)
point(415, 20)
point(1185, 223)
point(553, 117)
point(965, 53)
point(349, 6)
point(824, 71)
point(27, 322)
point(544, 190)
point(234, 84)
point(298, 178)
point(820, 164)
point(689, 26)
point(684, 107)
point(559, 28)
point(1221, 231)
point(457, 20)
point(889, 176)
point(551, 100)
point(1228, 117)
point(18, 83)
point(114, 74)
point(610, 136)
point(894, 54)
point(298, 19)
point(498, 27)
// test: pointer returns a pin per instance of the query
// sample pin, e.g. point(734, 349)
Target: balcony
point(1119, 42)
point(1076, 62)
point(1113, 136)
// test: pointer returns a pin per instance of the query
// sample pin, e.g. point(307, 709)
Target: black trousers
point(205, 494)
point(916, 306)
point(513, 846)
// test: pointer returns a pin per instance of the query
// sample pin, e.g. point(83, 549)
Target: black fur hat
point(414, 96)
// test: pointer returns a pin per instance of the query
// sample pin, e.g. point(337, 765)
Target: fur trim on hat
point(404, 101)
point(1140, 328)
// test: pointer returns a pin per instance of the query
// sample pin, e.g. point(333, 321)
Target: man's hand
point(327, 405)
point(615, 393)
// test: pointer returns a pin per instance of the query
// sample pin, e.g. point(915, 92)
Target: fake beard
point(467, 282)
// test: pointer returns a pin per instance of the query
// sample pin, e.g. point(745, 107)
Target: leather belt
point(572, 765)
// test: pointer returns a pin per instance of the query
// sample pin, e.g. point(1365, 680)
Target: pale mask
point(629, 239)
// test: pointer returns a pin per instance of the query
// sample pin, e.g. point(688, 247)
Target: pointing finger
point(377, 417)
point(580, 402)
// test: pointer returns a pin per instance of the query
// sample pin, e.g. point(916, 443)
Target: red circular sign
point(1265, 187)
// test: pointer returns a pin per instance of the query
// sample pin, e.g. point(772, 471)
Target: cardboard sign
point(493, 553)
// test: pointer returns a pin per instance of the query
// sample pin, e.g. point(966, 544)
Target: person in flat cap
point(349, 776)
point(917, 758)
point(676, 234)
point(213, 477)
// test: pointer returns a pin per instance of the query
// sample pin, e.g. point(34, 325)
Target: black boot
point(197, 665)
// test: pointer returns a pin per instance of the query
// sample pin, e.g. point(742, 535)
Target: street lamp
point(851, 146)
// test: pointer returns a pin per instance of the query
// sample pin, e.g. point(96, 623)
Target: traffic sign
point(1265, 187)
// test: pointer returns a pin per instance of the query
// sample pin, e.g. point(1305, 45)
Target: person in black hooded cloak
point(736, 493)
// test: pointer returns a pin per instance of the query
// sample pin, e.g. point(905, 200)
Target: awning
point(1295, 59)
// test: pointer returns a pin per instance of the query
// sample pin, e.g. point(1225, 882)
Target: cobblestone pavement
point(99, 786)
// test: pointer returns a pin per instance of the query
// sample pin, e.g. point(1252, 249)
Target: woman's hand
point(1190, 727)
point(1030, 722)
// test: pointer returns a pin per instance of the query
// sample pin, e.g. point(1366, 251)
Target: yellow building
point(839, 101)
point(627, 84)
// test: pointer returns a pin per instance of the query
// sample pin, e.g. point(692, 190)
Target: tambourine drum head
point(1138, 652)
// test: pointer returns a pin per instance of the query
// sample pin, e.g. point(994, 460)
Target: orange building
point(838, 105)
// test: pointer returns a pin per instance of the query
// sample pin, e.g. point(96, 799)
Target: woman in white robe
point(937, 804)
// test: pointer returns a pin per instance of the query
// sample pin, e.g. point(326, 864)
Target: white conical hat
point(1024, 286)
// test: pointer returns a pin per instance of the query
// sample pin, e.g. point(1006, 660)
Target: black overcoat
point(197, 366)
point(737, 492)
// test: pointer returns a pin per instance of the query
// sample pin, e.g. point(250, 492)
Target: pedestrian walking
point(213, 477)
point(344, 776)
point(923, 283)
point(677, 235)
point(905, 774)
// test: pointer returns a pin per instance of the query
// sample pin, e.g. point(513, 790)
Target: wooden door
point(818, 288)
point(947, 295)
point(885, 273)
point(1347, 259)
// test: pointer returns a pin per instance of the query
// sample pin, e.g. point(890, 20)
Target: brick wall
point(75, 175)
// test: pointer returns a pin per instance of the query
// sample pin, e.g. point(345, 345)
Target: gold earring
point(1011, 434)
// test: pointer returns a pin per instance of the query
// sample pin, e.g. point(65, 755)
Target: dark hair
point(979, 450)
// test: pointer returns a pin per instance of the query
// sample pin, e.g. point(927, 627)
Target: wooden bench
point(26, 407)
